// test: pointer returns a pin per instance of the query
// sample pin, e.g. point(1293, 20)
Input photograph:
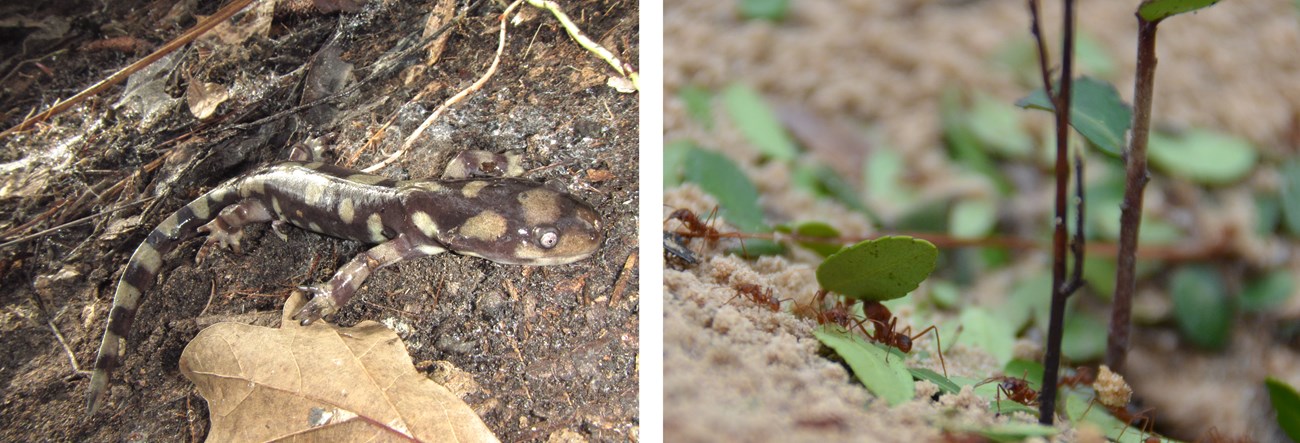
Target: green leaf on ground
point(819, 230)
point(1287, 404)
point(882, 269)
point(1153, 10)
point(1203, 156)
point(972, 218)
point(1031, 299)
point(1015, 431)
point(889, 380)
point(1268, 212)
point(1096, 111)
point(1201, 305)
point(945, 385)
point(756, 121)
point(1084, 338)
point(698, 106)
point(982, 330)
point(1291, 195)
point(944, 294)
point(773, 10)
point(1267, 291)
point(996, 124)
point(675, 154)
point(720, 177)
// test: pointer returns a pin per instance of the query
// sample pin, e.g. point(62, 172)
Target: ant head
point(904, 343)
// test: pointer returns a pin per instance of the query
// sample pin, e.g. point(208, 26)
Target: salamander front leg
point(328, 297)
point(228, 228)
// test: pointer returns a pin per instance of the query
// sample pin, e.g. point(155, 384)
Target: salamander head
point(519, 222)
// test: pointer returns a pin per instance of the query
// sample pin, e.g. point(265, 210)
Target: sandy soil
point(736, 371)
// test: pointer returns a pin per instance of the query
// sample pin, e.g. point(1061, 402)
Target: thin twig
point(1136, 177)
point(202, 27)
point(1060, 236)
point(482, 80)
point(74, 222)
point(587, 43)
point(72, 358)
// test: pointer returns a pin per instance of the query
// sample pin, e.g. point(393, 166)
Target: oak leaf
point(320, 382)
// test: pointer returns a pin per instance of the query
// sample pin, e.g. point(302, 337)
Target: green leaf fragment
point(945, 385)
point(1291, 195)
point(1084, 338)
point(1016, 431)
point(1201, 305)
point(756, 121)
point(1154, 10)
point(675, 154)
point(820, 230)
point(889, 380)
point(698, 106)
point(881, 269)
point(1287, 404)
point(972, 218)
point(1203, 156)
point(1096, 111)
point(1268, 291)
point(982, 330)
point(996, 124)
point(737, 196)
point(773, 10)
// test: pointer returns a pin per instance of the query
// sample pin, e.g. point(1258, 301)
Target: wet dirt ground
point(550, 351)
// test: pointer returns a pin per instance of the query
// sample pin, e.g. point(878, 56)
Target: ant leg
point(938, 346)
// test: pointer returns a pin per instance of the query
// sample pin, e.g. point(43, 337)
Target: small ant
point(1016, 389)
point(694, 226)
point(886, 333)
point(839, 314)
point(756, 294)
point(1121, 413)
point(1083, 375)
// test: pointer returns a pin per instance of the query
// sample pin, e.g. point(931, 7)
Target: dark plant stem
point(1061, 288)
point(1131, 210)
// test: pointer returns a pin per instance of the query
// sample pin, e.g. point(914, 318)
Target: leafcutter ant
point(1015, 389)
point(756, 294)
point(887, 334)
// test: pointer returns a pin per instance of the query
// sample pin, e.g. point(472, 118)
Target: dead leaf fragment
point(442, 14)
point(203, 98)
point(320, 382)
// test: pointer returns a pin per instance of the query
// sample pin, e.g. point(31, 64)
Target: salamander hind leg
point(328, 297)
point(228, 228)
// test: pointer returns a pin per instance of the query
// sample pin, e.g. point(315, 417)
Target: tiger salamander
point(506, 220)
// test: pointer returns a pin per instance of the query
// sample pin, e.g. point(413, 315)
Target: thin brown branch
point(122, 74)
point(1130, 218)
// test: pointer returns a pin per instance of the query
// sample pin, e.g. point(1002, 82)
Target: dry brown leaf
point(442, 14)
point(203, 97)
point(320, 382)
point(255, 20)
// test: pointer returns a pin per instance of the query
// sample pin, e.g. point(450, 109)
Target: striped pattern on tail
point(141, 271)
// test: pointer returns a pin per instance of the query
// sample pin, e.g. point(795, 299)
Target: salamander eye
point(547, 238)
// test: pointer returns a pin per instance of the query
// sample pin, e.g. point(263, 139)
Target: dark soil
point(551, 349)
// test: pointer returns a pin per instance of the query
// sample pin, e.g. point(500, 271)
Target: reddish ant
point(694, 226)
point(1122, 414)
point(886, 333)
point(1016, 389)
point(756, 294)
point(1083, 375)
point(841, 314)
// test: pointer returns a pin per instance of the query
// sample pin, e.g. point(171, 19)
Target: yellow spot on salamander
point(540, 206)
point(313, 227)
point(314, 192)
point(168, 226)
point(425, 223)
point(487, 226)
point(346, 211)
point(148, 257)
point(366, 179)
point(275, 204)
point(375, 225)
point(127, 295)
point(200, 207)
point(471, 189)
